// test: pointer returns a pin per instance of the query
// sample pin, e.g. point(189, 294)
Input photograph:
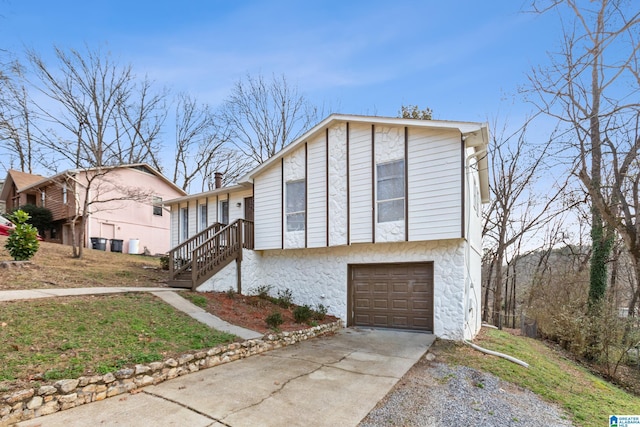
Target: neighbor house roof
point(20, 180)
point(215, 192)
point(475, 135)
point(140, 166)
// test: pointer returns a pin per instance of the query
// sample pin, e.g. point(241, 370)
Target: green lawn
point(73, 336)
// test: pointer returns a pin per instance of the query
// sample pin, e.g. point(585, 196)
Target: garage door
point(391, 296)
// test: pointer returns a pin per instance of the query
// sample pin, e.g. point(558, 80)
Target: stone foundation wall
point(30, 403)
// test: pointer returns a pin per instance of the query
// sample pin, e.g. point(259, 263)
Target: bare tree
point(16, 121)
point(592, 87)
point(99, 117)
point(202, 145)
point(97, 103)
point(515, 209)
point(138, 126)
point(264, 116)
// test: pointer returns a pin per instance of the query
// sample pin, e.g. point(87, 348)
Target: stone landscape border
point(65, 394)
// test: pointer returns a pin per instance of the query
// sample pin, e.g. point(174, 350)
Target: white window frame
point(224, 212)
point(64, 194)
point(184, 224)
point(202, 216)
point(384, 205)
point(157, 205)
point(295, 205)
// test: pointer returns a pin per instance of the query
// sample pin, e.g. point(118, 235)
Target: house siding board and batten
point(268, 208)
point(433, 229)
point(317, 192)
point(433, 199)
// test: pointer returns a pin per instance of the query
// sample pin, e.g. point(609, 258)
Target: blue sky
point(464, 59)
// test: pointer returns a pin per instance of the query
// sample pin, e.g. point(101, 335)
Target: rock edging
point(31, 403)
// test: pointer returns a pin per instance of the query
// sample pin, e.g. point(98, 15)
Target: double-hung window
point(202, 223)
point(296, 193)
point(390, 192)
point(224, 212)
point(184, 223)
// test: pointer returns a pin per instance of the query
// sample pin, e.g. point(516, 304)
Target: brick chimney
point(217, 179)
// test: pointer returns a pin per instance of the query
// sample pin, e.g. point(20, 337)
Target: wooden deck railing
point(180, 256)
point(212, 252)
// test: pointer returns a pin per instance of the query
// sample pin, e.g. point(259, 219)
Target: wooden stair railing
point(180, 256)
point(215, 253)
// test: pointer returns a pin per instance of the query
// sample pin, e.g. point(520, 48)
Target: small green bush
point(320, 312)
point(164, 262)
point(231, 293)
point(302, 313)
point(262, 291)
point(22, 243)
point(285, 298)
point(40, 217)
point(274, 320)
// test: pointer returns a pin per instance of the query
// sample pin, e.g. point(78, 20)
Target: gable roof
point(140, 166)
point(20, 180)
point(474, 134)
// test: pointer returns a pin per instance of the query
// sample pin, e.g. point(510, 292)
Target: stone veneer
point(320, 276)
point(47, 399)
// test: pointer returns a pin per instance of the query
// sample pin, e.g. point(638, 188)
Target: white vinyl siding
point(268, 208)
point(193, 217)
point(435, 187)
point(317, 193)
point(212, 211)
point(361, 176)
point(175, 225)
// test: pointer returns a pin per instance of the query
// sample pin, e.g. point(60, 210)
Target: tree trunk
point(485, 310)
point(497, 295)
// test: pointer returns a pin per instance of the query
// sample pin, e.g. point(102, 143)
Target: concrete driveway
point(327, 381)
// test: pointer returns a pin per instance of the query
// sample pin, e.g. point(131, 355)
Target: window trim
point(157, 205)
point(224, 211)
point(184, 223)
point(291, 225)
point(401, 179)
point(202, 222)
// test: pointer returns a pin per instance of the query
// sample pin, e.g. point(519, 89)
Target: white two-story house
point(378, 219)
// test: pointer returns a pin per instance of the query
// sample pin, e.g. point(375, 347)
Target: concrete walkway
point(326, 381)
point(66, 292)
point(205, 317)
point(166, 294)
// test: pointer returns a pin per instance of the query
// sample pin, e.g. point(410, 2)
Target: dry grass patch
point(588, 398)
point(53, 267)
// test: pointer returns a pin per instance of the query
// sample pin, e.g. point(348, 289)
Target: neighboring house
point(378, 219)
point(11, 193)
point(126, 203)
